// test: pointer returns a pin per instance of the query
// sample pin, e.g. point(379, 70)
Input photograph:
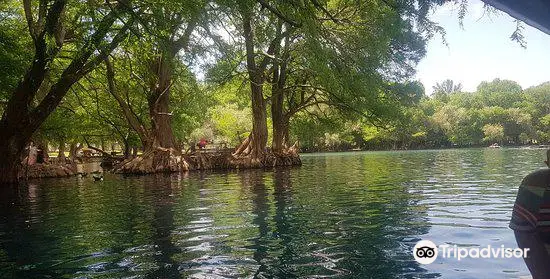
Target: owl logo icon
point(425, 252)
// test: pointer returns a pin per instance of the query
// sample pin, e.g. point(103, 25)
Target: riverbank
point(167, 161)
point(205, 160)
point(193, 162)
point(46, 170)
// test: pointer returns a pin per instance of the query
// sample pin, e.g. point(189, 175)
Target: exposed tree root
point(245, 148)
point(170, 160)
point(47, 170)
point(208, 161)
point(266, 161)
point(246, 157)
point(167, 162)
point(153, 161)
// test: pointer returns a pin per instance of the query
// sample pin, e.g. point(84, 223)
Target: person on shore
point(531, 220)
point(32, 154)
point(202, 143)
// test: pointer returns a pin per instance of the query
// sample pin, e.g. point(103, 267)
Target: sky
point(483, 51)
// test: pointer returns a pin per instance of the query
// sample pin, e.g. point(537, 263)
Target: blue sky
point(483, 51)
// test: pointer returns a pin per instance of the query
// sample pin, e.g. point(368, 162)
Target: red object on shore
point(202, 143)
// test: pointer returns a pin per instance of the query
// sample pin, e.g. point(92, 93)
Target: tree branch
point(279, 14)
point(30, 19)
point(273, 45)
point(184, 40)
point(325, 11)
point(131, 117)
point(78, 68)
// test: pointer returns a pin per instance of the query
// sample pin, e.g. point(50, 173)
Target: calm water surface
point(352, 215)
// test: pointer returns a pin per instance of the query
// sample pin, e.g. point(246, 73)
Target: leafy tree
point(69, 41)
point(447, 86)
point(501, 93)
point(231, 123)
point(14, 48)
point(367, 64)
point(543, 133)
point(536, 103)
point(443, 89)
point(167, 34)
point(456, 122)
point(493, 133)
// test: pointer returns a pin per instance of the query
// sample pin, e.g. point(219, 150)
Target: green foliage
point(347, 69)
point(443, 89)
point(231, 124)
point(189, 102)
point(493, 133)
point(502, 93)
point(314, 132)
point(15, 48)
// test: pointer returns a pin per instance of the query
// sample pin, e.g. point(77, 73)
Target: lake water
point(343, 215)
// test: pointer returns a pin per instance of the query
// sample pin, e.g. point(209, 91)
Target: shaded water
point(352, 215)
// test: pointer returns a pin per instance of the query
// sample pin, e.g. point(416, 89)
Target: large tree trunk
point(16, 127)
point(127, 149)
point(280, 135)
point(162, 155)
point(43, 151)
point(159, 103)
point(9, 160)
point(280, 120)
point(259, 125)
point(73, 150)
point(281, 124)
point(258, 140)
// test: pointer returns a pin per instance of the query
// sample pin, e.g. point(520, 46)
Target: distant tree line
point(499, 111)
